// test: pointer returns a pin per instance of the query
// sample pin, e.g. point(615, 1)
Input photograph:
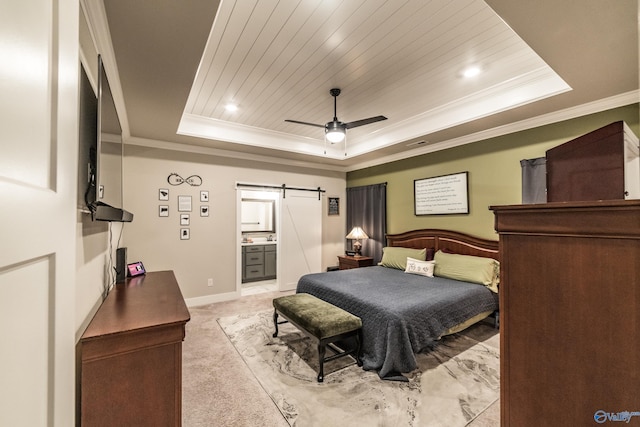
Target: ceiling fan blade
point(364, 121)
point(305, 123)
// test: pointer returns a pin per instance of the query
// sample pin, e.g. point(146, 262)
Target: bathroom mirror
point(258, 216)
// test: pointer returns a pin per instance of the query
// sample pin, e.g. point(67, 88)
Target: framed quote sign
point(442, 195)
point(334, 205)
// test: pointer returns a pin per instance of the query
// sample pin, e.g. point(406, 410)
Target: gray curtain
point(534, 180)
point(367, 208)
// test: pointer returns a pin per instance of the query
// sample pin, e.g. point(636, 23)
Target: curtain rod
point(283, 187)
point(368, 185)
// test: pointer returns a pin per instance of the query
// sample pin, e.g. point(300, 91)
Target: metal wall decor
point(193, 180)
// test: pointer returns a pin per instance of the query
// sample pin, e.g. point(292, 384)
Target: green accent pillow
point(467, 268)
point(396, 257)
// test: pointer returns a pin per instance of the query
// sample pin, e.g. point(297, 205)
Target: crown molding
point(174, 146)
point(542, 120)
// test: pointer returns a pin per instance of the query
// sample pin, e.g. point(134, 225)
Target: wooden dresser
point(570, 309)
point(131, 355)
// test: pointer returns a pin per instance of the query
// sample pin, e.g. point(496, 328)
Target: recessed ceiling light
point(471, 71)
point(231, 107)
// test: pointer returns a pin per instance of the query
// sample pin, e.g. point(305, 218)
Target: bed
point(403, 314)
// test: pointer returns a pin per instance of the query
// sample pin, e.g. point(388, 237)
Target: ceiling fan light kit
point(335, 131)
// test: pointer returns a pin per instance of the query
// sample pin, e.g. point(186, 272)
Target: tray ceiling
point(181, 63)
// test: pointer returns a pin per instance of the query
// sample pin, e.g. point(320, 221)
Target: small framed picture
point(204, 196)
point(184, 234)
point(334, 206)
point(204, 210)
point(163, 194)
point(184, 203)
point(163, 210)
point(184, 219)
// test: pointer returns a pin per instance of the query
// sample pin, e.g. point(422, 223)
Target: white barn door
point(300, 237)
point(38, 173)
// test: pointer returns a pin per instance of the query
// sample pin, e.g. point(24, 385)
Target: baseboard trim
point(210, 299)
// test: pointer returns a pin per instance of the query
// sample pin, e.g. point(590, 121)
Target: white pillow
point(423, 268)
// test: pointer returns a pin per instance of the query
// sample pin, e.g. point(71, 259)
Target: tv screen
point(88, 137)
point(103, 152)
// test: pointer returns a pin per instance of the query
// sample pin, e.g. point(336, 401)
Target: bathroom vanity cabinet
point(258, 262)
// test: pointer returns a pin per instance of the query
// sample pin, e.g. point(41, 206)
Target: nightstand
point(346, 262)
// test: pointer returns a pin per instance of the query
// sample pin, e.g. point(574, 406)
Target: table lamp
point(356, 234)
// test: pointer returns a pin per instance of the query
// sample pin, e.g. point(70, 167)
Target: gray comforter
point(401, 313)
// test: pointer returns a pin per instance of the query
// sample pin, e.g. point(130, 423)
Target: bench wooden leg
point(358, 347)
point(275, 322)
point(322, 348)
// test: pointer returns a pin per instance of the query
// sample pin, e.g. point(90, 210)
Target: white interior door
point(300, 237)
point(38, 173)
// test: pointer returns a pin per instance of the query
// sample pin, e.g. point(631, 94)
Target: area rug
point(454, 382)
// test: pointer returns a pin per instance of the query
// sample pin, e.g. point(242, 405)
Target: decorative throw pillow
point(396, 257)
point(423, 268)
point(467, 268)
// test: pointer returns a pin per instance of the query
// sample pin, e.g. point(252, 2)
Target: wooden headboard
point(453, 241)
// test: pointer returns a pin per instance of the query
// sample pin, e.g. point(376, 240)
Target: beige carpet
point(219, 389)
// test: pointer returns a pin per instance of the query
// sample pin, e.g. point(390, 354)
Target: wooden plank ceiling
point(277, 60)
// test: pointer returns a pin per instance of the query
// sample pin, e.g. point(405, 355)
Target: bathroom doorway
point(259, 213)
point(281, 225)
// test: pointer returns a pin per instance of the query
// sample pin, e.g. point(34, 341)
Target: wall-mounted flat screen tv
point(103, 152)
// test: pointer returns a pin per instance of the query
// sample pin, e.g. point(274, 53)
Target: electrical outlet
point(210, 282)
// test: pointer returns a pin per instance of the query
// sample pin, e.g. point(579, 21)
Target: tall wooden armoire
point(600, 165)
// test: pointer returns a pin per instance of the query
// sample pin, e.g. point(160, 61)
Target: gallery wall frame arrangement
point(442, 195)
point(184, 203)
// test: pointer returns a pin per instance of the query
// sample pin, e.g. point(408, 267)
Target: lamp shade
point(357, 233)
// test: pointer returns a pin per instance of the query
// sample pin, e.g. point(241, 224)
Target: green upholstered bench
point(322, 321)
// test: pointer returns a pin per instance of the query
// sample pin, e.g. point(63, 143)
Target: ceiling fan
point(336, 130)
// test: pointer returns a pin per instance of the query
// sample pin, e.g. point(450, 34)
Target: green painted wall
point(494, 172)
